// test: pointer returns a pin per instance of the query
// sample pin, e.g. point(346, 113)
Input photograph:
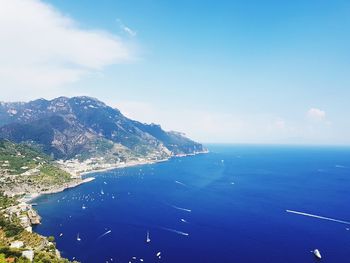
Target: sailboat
point(78, 238)
point(147, 238)
point(317, 253)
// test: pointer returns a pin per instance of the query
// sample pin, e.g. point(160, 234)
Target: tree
point(2, 258)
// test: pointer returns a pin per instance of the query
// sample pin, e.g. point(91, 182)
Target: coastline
point(124, 165)
point(32, 196)
point(135, 163)
point(29, 198)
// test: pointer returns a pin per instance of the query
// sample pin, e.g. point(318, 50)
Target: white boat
point(158, 254)
point(83, 207)
point(61, 234)
point(147, 238)
point(317, 253)
point(102, 193)
point(78, 238)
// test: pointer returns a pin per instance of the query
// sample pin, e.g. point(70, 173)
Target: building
point(16, 244)
point(29, 254)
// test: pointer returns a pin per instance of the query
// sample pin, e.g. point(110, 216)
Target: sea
point(238, 203)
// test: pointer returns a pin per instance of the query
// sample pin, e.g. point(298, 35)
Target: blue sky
point(220, 71)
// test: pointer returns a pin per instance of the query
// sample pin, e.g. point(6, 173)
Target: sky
point(246, 71)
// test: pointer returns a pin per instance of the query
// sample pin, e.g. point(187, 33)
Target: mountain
point(84, 127)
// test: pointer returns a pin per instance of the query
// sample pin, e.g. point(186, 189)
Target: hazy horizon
point(220, 72)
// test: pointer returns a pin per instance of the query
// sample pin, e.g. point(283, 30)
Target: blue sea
point(225, 206)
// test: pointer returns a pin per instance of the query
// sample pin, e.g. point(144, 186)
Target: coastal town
point(24, 175)
point(18, 242)
point(27, 217)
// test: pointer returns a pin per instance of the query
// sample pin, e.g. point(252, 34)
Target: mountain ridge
point(85, 127)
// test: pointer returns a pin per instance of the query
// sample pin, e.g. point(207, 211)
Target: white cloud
point(42, 49)
point(316, 114)
point(126, 29)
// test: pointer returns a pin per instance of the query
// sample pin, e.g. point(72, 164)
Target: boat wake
point(340, 166)
point(175, 231)
point(182, 209)
point(106, 233)
point(178, 182)
point(319, 217)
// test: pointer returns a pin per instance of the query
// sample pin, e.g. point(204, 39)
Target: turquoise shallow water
point(225, 206)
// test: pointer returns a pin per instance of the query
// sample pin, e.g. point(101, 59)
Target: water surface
point(225, 206)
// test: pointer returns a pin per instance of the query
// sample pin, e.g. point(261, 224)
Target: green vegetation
point(45, 257)
point(102, 145)
point(10, 230)
point(18, 158)
point(10, 252)
point(6, 201)
point(51, 175)
point(25, 167)
point(98, 147)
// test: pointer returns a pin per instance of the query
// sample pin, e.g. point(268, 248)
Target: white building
point(16, 244)
point(29, 229)
point(29, 254)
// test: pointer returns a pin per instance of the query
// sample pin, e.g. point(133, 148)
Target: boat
point(102, 193)
point(148, 239)
point(78, 238)
point(61, 234)
point(317, 253)
point(83, 207)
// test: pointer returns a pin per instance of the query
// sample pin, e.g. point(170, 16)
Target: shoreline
point(125, 165)
point(32, 196)
point(82, 180)
point(143, 162)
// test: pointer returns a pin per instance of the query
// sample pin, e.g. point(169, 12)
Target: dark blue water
point(238, 196)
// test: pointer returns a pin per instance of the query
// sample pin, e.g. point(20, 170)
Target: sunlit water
point(226, 206)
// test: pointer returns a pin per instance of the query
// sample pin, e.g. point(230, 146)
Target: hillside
point(25, 170)
point(17, 241)
point(84, 127)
